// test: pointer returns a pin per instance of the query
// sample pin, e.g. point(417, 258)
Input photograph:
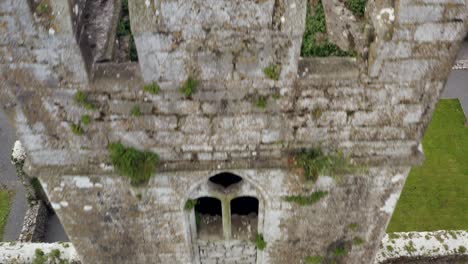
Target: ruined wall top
point(374, 106)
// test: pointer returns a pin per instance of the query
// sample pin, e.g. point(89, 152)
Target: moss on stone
point(261, 102)
point(86, 119)
point(304, 200)
point(136, 111)
point(314, 260)
point(273, 71)
point(132, 163)
point(77, 129)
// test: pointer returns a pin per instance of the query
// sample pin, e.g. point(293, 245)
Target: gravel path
point(8, 177)
point(457, 84)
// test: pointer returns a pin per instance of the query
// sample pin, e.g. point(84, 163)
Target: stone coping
point(423, 244)
point(19, 253)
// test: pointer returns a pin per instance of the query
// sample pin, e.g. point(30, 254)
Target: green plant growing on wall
point(43, 8)
point(317, 113)
point(353, 227)
point(81, 98)
point(461, 250)
point(261, 102)
point(86, 119)
point(77, 129)
point(190, 204)
point(340, 252)
point(260, 241)
point(132, 163)
point(358, 7)
point(314, 260)
point(189, 87)
point(315, 163)
point(304, 200)
point(136, 111)
point(39, 257)
point(358, 241)
point(273, 71)
point(152, 88)
point(314, 43)
point(133, 50)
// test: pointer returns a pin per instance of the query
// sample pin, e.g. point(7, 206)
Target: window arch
point(225, 179)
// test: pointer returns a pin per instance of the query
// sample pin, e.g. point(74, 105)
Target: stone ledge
point(13, 252)
point(431, 245)
point(334, 68)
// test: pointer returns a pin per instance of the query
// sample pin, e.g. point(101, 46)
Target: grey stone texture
point(34, 223)
point(374, 109)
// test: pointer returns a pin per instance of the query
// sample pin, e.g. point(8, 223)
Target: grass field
point(5, 197)
point(435, 196)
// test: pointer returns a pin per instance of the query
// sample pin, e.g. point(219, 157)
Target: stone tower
point(228, 149)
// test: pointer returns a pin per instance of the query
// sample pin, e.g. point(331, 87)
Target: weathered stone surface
point(239, 121)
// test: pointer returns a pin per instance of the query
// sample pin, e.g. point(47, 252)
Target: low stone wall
point(225, 252)
point(19, 253)
point(412, 246)
point(34, 224)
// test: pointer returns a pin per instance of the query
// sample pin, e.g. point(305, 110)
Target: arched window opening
point(244, 217)
point(208, 217)
point(104, 34)
point(225, 179)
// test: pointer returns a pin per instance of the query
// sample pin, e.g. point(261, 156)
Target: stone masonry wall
point(225, 253)
point(374, 108)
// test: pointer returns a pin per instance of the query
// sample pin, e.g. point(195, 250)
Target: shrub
point(190, 204)
point(132, 163)
point(81, 98)
point(316, 25)
point(390, 248)
point(135, 111)
point(273, 71)
point(77, 129)
point(306, 200)
point(314, 260)
point(261, 102)
point(260, 242)
point(189, 87)
point(315, 163)
point(86, 120)
point(152, 88)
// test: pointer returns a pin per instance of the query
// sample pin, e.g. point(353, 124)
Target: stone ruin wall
point(375, 109)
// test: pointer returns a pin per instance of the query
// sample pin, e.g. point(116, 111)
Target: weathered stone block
point(439, 32)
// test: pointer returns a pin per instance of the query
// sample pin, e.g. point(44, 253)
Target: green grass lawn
point(5, 197)
point(435, 196)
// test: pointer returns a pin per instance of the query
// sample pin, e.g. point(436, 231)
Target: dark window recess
point(125, 44)
point(244, 217)
point(225, 179)
point(208, 217)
